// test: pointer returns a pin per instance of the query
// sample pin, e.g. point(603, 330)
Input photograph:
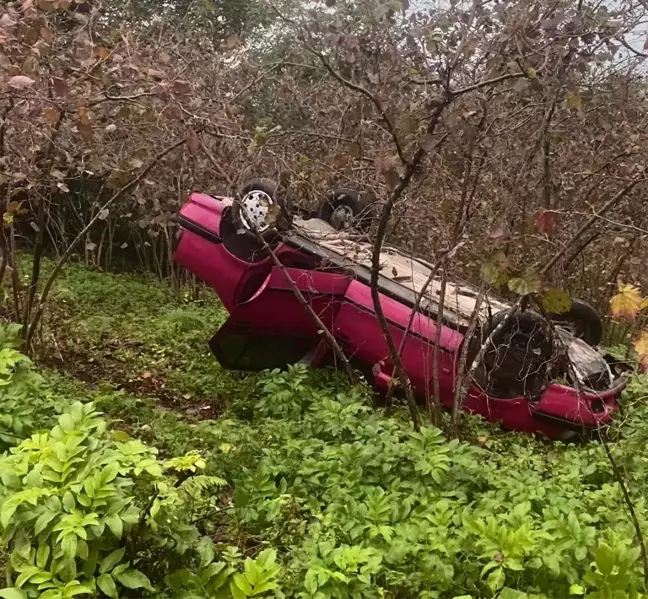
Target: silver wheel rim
point(256, 207)
point(342, 217)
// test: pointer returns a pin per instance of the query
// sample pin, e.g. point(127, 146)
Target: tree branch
point(68, 252)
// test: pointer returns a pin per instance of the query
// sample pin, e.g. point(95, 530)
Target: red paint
point(261, 301)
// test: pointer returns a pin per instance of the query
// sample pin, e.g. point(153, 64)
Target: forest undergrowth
point(134, 466)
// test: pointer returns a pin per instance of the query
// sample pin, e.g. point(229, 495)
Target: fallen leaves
point(20, 82)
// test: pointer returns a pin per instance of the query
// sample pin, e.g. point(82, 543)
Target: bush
point(330, 500)
point(371, 509)
point(21, 402)
point(86, 511)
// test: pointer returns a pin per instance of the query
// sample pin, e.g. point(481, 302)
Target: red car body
point(268, 327)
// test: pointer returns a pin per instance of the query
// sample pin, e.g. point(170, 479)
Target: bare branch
point(75, 242)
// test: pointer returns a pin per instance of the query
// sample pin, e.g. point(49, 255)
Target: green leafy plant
point(21, 402)
point(78, 505)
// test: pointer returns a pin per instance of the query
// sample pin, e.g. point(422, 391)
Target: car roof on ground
point(402, 276)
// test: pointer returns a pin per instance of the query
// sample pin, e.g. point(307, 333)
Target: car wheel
point(582, 321)
point(262, 206)
point(347, 208)
point(515, 363)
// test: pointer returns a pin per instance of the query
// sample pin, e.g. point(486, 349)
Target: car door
point(273, 328)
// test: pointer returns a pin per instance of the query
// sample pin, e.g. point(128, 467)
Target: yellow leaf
point(627, 303)
point(641, 347)
point(496, 270)
point(556, 301)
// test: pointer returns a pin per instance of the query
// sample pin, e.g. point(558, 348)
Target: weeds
point(330, 497)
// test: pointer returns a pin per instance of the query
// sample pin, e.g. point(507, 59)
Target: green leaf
point(43, 520)
point(76, 590)
point(495, 271)
point(605, 559)
point(107, 585)
point(7, 512)
point(496, 579)
point(68, 501)
point(241, 583)
point(116, 525)
point(110, 472)
point(576, 589)
point(69, 546)
point(525, 284)
point(42, 555)
point(551, 561)
point(531, 73)
point(66, 422)
point(133, 579)
point(111, 560)
point(556, 301)
point(205, 550)
point(236, 592)
point(12, 593)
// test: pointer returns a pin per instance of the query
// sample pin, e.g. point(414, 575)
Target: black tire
point(583, 322)
point(515, 363)
point(362, 210)
point(279, 197)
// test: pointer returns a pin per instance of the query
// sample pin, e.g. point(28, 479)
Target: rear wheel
point(347, 208)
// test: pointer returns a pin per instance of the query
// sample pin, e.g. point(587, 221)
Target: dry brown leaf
point(51, 114)
point(388, 167)
point(101, 52)
point(20, 82)
point(47, 34)
point(7, 21)
point(193, 143)
point(60, 87)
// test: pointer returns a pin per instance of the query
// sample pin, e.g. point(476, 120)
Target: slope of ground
point(354, 503)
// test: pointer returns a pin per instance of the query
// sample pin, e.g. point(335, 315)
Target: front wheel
point(582, 321)
point(347, 208)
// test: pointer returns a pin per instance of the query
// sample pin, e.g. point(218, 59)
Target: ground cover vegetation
point(505, 141)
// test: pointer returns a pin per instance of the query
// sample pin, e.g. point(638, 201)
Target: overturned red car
point(524, 383)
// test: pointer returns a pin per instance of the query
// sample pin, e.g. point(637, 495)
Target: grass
point(307, 459)
point(140, 334)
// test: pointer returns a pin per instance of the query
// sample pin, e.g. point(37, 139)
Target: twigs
point(41, 226)
point(628, 501)
point(322, 328)
point(326, 333)
point(611, 203)
point(373, 98)
point(32, 326)
point(460, 390)
point(436, 415)
point(389, 124)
